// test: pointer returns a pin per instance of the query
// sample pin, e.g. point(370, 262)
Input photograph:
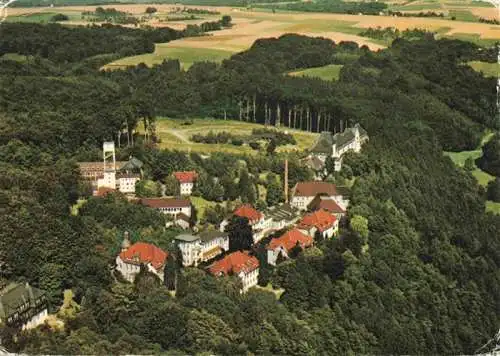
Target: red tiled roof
point(247, 211)
point(290, 239)
point(310, 189)
point(186, 177)
point(103, 191)
point(157, 203)
point(320, 219)
point(323, 203)
point(235, 262)
point(142, 252)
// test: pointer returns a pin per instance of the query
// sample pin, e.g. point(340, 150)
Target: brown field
point(250, 25)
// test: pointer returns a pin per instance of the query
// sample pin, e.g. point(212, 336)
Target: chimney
point(286, 181)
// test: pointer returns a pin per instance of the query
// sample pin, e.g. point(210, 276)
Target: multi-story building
point(186, 181)
point(130, 259)
point(335, 146)
point(255, 219)
point(321, 202)
point(322, 221)
point(285, 243)
point(240, 264)
point(200, 248)
point(23, 306)
point(112, 174)
point(168, 206)
point(305, 192)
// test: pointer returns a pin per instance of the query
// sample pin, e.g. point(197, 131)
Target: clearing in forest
point(488, 69)
point(176, 134)
point(328, 72)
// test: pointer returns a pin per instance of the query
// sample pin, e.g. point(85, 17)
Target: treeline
point(415, 14)
point(490, 21)
point(336, 6)
point(391, 33)
point(277, 137)
point(111, 15)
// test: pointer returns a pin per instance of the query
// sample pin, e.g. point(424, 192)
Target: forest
point(418, 275)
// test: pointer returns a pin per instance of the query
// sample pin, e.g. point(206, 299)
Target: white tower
point(109, 162)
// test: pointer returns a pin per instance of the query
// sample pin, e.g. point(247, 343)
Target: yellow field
point(175, 135)
point(250, 25)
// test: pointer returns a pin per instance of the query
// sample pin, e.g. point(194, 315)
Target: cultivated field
point(251, 24)
point(176, 134)
point(328, 72)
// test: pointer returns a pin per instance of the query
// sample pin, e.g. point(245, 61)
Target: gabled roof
point(235, 263)
point(133, 164)
point(290, 239)
point(142, 252)
point(247, 211)
point(325, 203)
point(314, 163)
point(313, 188)
point(182, 216)
point(103, 191)
point(186, 177)
point(321, 219)
point(344, 138)
point(158, 203)
point(15, 295)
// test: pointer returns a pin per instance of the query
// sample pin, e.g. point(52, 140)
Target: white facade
point(249, 280)
point(328, 233)
point(272, 255)
point(108, 180)
point(176, 210)
point(197, 251)
point(36, 320)
point(130, 270)
point(186, 188)
point(301, 202)
point(127, 184)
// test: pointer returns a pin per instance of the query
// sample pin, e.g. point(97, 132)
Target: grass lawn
point(493, 207)
point(174, 134)
point(329, 72)
point(269, 288)
point(187, 56)
point(459, 159)
point(14, 57)
point(462, 15)
point(488, 69)
point(77, 206)
point(201, 204)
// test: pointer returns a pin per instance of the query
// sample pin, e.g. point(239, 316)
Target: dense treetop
point(417, 268)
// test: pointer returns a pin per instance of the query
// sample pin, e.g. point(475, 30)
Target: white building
point(255, 219)
point(186, 181)
point(203, 247)
point(22, 306)
point(320, 220)
point(304, 193)
point(125, 178)
point(129, 261)
point(240, 264)
point(329, 145)
point(285, 243)
point(168, 206)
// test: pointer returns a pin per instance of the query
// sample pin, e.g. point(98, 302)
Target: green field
point(488, 69)
point(42, 17)
point(14, 57)
point(463, 15)
point(493, 207)
point(175, 135)
point(329, 72)
point(163, 51)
